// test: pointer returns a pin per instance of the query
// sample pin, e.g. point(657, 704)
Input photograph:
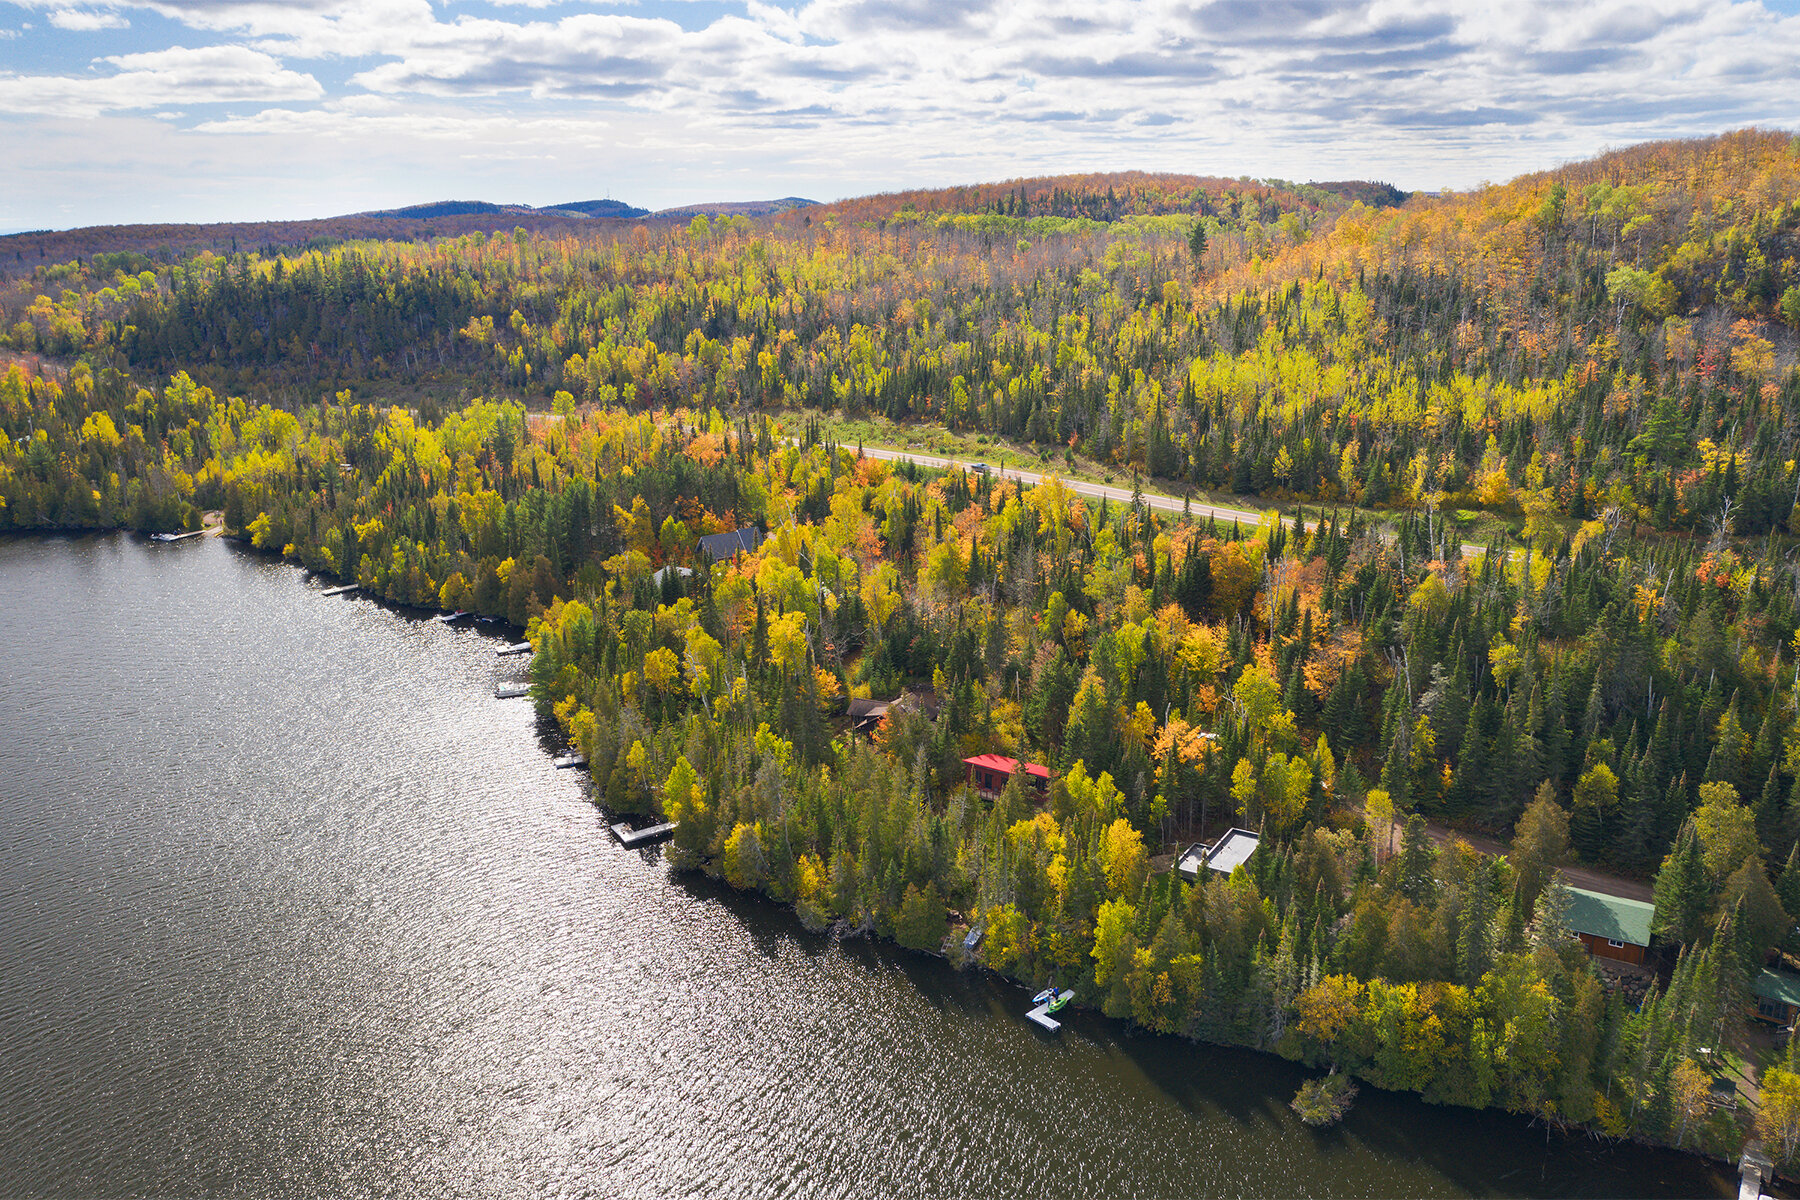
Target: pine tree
point(1681, 893)
point(1475, 934)
point(1787, 886)
point(1770, 805)
point(1416, 863)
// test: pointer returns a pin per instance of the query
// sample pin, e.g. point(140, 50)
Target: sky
point(211, 110)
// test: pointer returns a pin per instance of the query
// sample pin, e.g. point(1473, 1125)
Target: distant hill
point(21, 253)
point(738, 208)
point(609, 209)
point(446, 208)
point(471, 208)
point(1107, 196)
point(600, 208)
point(1371, 193)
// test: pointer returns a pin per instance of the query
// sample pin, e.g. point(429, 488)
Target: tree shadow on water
point(1244, 1085)
point(1481, 1152)
point(773, 929)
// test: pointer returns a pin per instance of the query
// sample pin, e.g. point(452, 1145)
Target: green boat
point(1059, 1003)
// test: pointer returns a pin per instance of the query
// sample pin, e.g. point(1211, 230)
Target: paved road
point(1082, 487)
point(1247, 516)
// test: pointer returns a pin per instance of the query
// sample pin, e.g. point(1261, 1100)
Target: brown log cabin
point(1610, 926)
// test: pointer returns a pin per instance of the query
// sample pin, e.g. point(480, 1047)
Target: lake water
point(291, 906)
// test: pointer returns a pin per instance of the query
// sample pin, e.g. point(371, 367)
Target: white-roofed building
point(1231, 851)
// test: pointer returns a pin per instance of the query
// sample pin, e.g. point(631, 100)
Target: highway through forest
point(1099, 491)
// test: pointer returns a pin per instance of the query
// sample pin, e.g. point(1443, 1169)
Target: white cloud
point(87, 20)
point(893, 92)
point(155, 79)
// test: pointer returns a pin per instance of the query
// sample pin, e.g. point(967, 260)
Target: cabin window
point(1771, 1009)
point(1615, 945)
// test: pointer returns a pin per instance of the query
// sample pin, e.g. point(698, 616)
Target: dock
point(1754, 1169)
point(631, 838)
point(341, 591)
point(177, 537)
point(1041, 1014)
point(573, 758)
point(512, 691)
point(458, 615)
point(515, 648)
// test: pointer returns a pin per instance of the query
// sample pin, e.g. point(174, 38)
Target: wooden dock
point(515, 648)
point(177, 537)
point(573, 758)
point(1753, 1170)
point(512, 691)
point(631, 838)
point(1041, 1014)
point(341, 591)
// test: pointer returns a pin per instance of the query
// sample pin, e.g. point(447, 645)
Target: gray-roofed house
point(1233, 849)
point(729, 545)
point(1610, 926)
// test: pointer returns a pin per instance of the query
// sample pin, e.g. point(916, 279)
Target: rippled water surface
point(290, 905)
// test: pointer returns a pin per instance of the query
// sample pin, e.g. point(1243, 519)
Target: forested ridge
point(1600, 356)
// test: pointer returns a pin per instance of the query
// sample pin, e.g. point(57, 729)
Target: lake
point(290, 905)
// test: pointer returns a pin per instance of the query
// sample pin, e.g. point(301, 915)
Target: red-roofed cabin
point(988, 774)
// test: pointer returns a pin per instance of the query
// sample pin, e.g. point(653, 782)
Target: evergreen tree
point(1681, 894)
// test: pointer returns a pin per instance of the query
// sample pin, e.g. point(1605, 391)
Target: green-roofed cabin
point(1777, 996)
point(1610, 926)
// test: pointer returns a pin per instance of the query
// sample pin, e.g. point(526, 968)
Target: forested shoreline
point(1600, 358)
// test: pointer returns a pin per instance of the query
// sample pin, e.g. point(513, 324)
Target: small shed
point(1232, 850)
point(1777, 996)
point(1610, 926)
point(988, 774)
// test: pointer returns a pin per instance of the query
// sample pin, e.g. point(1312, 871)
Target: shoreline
point(841, 929)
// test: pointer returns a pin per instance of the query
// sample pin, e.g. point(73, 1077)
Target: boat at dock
point(512, 691)
point(573, 758)
point(1040, 1015)
point(514, 648)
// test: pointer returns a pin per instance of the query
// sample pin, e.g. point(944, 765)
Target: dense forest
point(1600, 357)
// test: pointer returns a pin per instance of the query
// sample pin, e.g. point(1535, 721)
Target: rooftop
point(1231, 851)
point(1612, 917)
point(999, 762)
point(725, 545)
point(1780, 986)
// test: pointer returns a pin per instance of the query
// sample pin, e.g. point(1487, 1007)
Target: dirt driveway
point(1577, 876)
